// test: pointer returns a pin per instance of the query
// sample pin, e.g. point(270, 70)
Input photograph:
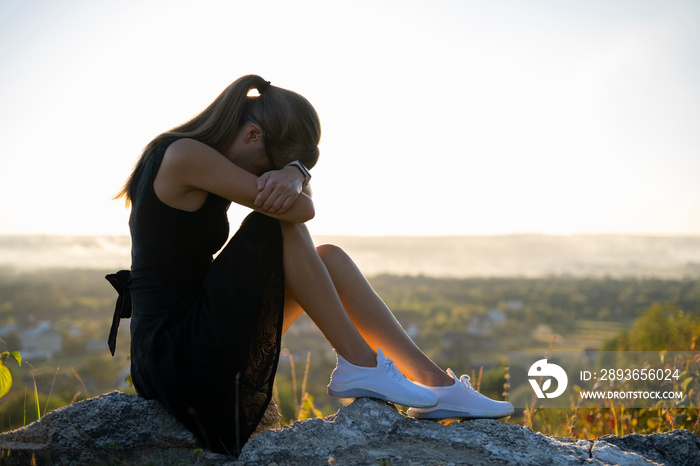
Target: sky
point(439, 117)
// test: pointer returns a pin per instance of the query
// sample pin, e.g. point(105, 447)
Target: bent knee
point(331, 252)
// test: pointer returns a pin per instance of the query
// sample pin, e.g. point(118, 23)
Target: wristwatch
point(304, 171)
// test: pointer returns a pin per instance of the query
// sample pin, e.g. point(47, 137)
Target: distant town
point(38, 339)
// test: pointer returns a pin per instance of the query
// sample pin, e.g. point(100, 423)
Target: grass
point(301, 400)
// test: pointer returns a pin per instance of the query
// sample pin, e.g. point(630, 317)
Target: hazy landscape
point(437, 256)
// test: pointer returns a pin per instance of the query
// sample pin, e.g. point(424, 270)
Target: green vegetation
point(5, 375)
point(468, 325)
point(661, 327)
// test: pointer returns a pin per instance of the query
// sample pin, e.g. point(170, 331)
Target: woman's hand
point(278, 189)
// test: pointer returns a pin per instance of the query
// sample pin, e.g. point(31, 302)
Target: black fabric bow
point(120, 282)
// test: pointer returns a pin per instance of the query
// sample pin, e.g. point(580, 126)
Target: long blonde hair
point(291, 124)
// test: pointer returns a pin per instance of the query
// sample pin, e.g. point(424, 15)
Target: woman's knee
point(332, 253)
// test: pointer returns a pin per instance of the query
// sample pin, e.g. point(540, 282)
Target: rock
point(125, 429)
point(370, 432)
point(110, 427)
point(676, 447)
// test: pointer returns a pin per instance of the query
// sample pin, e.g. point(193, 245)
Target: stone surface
point(125, 429)
point(111, 427)
point(369, 432)
point(676, 447)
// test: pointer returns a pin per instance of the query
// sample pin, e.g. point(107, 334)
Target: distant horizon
point(454, 256)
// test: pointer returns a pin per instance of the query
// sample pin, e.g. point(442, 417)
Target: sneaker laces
point(390, 368)
point(465, 380)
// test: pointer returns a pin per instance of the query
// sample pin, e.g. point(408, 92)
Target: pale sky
point(440, 117)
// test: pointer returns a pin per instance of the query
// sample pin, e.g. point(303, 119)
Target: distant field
point(585, 334)
point(450, 256)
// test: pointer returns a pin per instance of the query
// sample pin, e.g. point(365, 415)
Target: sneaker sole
point(366, 393)
point(449, 414)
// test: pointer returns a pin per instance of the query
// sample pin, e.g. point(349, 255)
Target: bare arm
point(190, 169)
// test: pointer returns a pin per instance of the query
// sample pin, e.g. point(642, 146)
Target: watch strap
point(303, 170)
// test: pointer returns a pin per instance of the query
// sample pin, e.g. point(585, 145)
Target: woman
point(205, 334)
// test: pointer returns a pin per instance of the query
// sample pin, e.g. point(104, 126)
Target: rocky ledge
point(116, 428)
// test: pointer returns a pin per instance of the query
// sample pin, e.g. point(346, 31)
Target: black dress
point(205, 334)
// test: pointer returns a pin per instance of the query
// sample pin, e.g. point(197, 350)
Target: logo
point(542, 368)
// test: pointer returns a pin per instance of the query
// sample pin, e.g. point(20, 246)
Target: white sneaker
point(461, 400)
point(383, 382)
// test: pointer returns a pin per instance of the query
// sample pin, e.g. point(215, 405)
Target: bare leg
point(308, 283)
point(369, 318)
point(292, 311)
point(375, 321)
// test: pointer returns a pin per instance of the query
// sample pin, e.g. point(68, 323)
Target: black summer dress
point(205, 333)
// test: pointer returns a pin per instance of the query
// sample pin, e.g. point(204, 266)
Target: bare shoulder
point(185, 150)
point(186, 158)
point(188, 144)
